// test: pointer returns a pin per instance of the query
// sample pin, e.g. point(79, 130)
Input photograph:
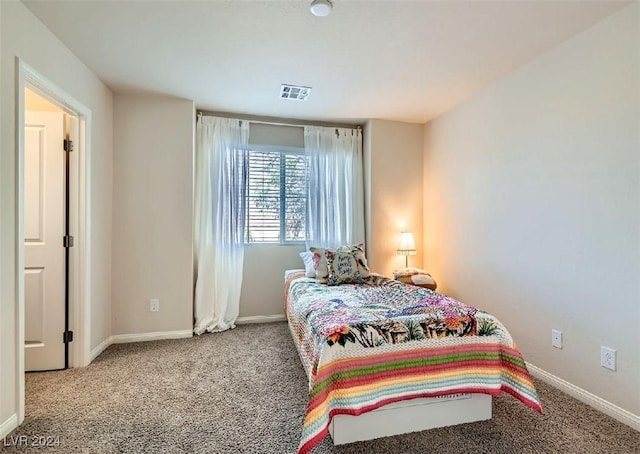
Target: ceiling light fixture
point(321, 8)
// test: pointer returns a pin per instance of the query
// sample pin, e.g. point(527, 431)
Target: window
point(276, 196)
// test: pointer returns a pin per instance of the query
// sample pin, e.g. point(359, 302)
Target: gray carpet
point(244, 391)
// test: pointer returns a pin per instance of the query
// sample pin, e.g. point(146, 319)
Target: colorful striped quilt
point(366, 345)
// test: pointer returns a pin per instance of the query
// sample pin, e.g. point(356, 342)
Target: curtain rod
point(277, 121)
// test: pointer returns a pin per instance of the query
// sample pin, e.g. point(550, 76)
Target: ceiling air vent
point(295, 92)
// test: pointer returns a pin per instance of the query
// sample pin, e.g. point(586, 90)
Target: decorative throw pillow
point(342, 267)
point(361, 259)
point(415, 276)
point(307, 258)
point(320, 260)
point(319, 264)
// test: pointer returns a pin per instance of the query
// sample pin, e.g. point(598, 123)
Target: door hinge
point(67, 337)
point(67, 241)
point(68, 145)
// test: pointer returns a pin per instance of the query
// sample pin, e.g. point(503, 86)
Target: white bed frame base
point(410, 416)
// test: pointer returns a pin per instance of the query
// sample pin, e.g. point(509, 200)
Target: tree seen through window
point(276, 201)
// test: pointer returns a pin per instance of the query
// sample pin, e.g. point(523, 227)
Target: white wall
point(393, 191)
point(264, 264)
point(25, 36)
point(263, 277)
point(152, 213)
point(532, 205)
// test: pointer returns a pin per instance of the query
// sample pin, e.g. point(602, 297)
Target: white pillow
point(423, 279)
point(307, 258)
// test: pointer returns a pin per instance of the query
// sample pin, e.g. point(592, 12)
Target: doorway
point(49, 135)
point(77, 223)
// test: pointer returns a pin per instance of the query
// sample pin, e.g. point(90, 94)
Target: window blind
point(276, 200)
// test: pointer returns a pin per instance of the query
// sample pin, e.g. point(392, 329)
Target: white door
point(44, 257)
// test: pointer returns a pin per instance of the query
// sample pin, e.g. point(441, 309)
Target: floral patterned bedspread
point(398, 340)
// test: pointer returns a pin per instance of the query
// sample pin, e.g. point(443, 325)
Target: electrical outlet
point(556, 338)
point(154, 305)
point(608, 357)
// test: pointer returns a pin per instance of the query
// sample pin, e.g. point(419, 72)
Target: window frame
point(282, 150)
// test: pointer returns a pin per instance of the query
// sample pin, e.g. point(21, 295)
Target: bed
point(384, 358)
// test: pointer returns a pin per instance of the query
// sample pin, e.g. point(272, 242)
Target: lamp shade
point(407, 245)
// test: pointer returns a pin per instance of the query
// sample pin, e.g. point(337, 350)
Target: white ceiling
point(401, 60)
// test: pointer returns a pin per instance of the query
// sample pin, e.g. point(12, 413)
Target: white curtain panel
point(335, 193)
point(220, 199)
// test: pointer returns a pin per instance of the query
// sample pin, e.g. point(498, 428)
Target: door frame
point(80, 216)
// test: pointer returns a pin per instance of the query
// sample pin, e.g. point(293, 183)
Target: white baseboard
point(606, 407)
point(99, 349)
point(7, 426)
point(160, 335)
point(261, 319)
point(142, 337)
